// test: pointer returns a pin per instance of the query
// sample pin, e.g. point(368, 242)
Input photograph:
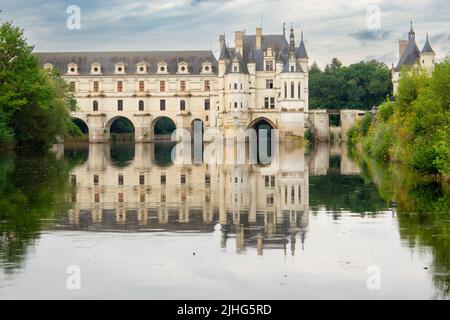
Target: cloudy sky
point(347, 29)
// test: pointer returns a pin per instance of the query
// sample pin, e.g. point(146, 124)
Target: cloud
point(370, 35)
point(331, 27)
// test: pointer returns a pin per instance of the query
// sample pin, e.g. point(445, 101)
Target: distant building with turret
point(412, 57)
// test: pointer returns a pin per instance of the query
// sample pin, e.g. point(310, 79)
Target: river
point(132, 224)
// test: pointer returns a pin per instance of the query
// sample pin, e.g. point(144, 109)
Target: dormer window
point(235, 67)
point(141, 68)
point(183, 67)
point(162, 68)
point(96, 68)
point(48, 66)
point(206, 67)
point(269, 65)
point(119, 68)
point(72, 69)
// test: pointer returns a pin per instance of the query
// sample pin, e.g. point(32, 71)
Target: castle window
point(272, 103)
point(235, 69)
point(266, 103)
point(207, 86)
point(269, 84)
point(95, 105)
point(162, 105)
point(299, 90)
point(285, 90)
point(120, 180)
point(235, 86)
point(207, 104)
point(96, 88)
point(141, 105)
point(119, 105)
point(206, 67)
point(182, 105)
point(235, 105)
point(292, 68)
point(292, 90)
point(183, 86)
point(141, 179)
point(269, 65)
point(162, 86)
point(96, 180)
point(141, 67)
point(119, 86)
point(72, 68)
point(141, 86)
point(96, 68)
point(163, 180)
point(183, 179)
point(183, 67)
point(119, 68)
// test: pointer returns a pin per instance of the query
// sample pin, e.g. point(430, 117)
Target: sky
point(351, 30)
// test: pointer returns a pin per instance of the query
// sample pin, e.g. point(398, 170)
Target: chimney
point(221, 41)
point(402, 47)
point(258, 38)
point(239, 41)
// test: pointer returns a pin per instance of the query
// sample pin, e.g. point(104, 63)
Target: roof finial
point(284, 29)
point(292, 39)
point(302, 35)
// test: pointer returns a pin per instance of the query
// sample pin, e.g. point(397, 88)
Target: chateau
point(412, 57)
point(262, 80)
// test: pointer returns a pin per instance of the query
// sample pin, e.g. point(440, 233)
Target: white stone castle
point(411, 57)
point(263, 79)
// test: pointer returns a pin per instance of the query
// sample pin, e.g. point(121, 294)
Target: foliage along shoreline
point(34, 103)
point(414, 129)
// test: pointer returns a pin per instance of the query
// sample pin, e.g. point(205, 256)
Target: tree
point(358, 86)
point(34, 103)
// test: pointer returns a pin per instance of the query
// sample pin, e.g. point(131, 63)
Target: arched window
point(285, 90)
point(182, 105)
point(299, 90)
point(292, 90)
point(95, 105)
point(141, 105)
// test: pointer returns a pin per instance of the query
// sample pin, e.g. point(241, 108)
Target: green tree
point(34, 103)
point(358, 86)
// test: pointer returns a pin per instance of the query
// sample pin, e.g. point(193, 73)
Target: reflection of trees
point(337, 192)
point(32, 189)
point(423, 208)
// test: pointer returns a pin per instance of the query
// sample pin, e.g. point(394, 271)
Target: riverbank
point(413, 130)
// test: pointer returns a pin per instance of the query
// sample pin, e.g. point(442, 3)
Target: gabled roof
point(107, 60)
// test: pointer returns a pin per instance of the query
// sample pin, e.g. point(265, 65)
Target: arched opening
point(197, 131)
point(81, 125)
point(121, 129)
point(163, 128)
point(263, 128)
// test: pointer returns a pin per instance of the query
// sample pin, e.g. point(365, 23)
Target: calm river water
point(312, 225)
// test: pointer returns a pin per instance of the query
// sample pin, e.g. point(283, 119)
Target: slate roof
point(427, 47)
point(410, 56)
point(279, 45)
point(107, 60)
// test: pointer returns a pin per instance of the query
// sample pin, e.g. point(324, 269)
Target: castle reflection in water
point(265, 207)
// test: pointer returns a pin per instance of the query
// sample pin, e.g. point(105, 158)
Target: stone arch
point(262, 120)
point(113, 119)
point(161, 131)
point(81, 124)
point(264, 141)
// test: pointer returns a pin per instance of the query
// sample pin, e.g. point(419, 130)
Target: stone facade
point(262, 79)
